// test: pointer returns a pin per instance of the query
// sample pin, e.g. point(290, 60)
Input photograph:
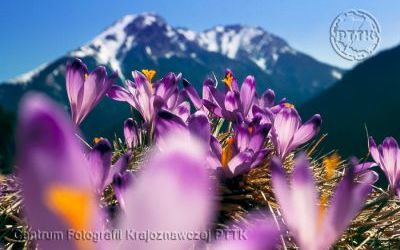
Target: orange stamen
point(289, 105)
point(149, 74)
point(227, 152)
point(330, 164)
point(73, 206)
point(228, 80)
point(97, 139)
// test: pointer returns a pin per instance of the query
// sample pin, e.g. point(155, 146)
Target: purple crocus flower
point(239, 153)
point(174, 187)
point(84, 89)
point(131, 133)
point(288, 133)
point(121, 181)
point(387, 155)
point(101, 170)
point(317, 226)
point(197, 125)
point(56, 178)
point(148, 99)
point(180, 188)
point(232, 104)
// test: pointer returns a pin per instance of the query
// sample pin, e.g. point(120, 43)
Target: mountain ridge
point(363, 103)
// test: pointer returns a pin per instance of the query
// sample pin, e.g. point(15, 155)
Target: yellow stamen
point(227, 152)
point(74, 206)
point(289, 105)
point(330, 164)
point(228, 80)
point(97, 139)
point(149, 73)
point(86, 76)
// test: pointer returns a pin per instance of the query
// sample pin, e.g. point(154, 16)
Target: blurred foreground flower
point(316, 227)
point(56, 180)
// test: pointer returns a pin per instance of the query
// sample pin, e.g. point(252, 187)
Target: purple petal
point(172, 101)
point(165, 124)
point(286, 123)
point(264, 116)
point(99, 158)
point(307, 131)
point(213, 108)
point(282, 189)
point(363, 167)
point(141, 83)
point(177, 186)
point(118, 93)
point(248, 94)
point(258, 137)
point(182, 110)
point(192, 94)
point(242, 136)
point(232, 101)
point(206, 93)
point(215, 146)
point(54, 172)
point(144, 97)
point(260, 156)
point(213, 94)
point(121, 182)
point(390, 150)
point(267, 99)
point(261, 234)
point(75, 77)
point(373, 149)
point(89, 93)
point(131, 133)
point(239, 164)
point(167, 85)
point(347, 201)
point(299, 205)
point(119, 167)
point(304, 195)
point(199, 125)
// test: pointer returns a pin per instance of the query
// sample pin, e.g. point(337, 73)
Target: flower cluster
point(192, 144)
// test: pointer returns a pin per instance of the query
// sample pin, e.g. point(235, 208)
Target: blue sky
point(35, 32)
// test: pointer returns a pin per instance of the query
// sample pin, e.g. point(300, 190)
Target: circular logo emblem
point(354, 34)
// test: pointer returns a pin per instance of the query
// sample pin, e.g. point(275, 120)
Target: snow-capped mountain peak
point(110, 46)
point(159, 39)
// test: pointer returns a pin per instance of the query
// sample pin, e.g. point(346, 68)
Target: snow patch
point(148, 50)
point(336, 74)
point(149, 20)
point(262, 63)
point(188, 34)
point(25, 78)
